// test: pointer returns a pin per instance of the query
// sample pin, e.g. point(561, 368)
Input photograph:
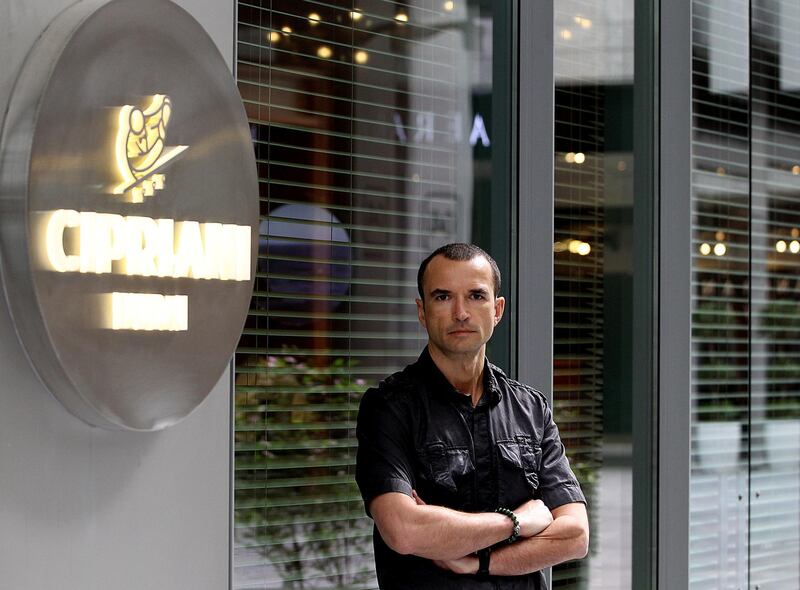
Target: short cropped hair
point(461, 252)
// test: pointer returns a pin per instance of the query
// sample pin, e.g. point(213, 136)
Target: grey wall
point(84, 508)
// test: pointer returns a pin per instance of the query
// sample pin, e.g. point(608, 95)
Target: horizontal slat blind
point(578, 262)
point(745, 527)
point(775, 358)
point(352, 108)
point(720, 293)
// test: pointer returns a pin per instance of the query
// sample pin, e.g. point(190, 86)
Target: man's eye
point(480, 296)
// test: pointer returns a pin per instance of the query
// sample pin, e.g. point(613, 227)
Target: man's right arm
point(439, 533)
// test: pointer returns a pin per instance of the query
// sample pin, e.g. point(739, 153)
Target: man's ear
point(421, 312)
point(499, 308)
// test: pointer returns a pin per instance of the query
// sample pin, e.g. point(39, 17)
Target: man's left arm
point(566, 538)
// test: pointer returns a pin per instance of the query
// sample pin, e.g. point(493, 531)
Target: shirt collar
point(431, 373)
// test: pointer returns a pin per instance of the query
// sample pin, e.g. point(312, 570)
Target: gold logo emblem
point(141, 149)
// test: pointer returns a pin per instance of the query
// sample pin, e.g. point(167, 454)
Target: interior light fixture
point(780, 246)
point(324, 52)
point(401, 17)
point(274, 36)
point(580, 158)
point(720, 249)
point(719, 236)
point(356, 14)
point(286, 29)
point(566, 34)
point(796, 170)
point(705, 249)
point(795, 232)
point(449, 5)
point(314, 18)
point(361, 56)
point(794, 247)
point(570, 157)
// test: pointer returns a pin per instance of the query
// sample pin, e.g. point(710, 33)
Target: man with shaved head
point(461, 468)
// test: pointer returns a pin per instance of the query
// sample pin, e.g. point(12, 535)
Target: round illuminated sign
point(128, 212)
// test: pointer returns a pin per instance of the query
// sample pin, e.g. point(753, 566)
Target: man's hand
point(533, 518)
point(463, 565)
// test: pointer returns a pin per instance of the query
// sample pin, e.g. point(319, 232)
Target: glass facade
point(592, 337)
point(385, 129)
point(745, 478)
point(375, 130)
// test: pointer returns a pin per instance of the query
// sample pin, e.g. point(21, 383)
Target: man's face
point(460, 310)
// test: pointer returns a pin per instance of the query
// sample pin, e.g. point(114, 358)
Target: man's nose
point(460, 312)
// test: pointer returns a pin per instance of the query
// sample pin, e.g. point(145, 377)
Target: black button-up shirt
point(416, 431)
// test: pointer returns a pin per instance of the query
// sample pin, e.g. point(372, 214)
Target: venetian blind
point(745, 483)
point(352, 108)
point(720, 292)
point(775, 280)
point(578, 265)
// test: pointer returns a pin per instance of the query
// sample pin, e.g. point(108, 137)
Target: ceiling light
point(401, 17)
point(356, 14)
point(794, 247)
point(449, 5)
point(705, 249)
point(314, 18)
point(780, 246)
point(566, 34)
point(286, 30)
point(720, 249)
point(580, 158)
point(324, 52)
point(361, 56)
point(274, 36)
point(570, 157)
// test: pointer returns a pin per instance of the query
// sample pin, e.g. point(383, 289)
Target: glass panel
point(775, 352)
point(372, 124)
point(593, 271)
point(720, 294)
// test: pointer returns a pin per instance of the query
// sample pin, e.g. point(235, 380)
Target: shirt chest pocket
point(445, 466)
point(517, 471)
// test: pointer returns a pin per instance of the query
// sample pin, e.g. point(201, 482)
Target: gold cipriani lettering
point(145, 247)
point(148, 311)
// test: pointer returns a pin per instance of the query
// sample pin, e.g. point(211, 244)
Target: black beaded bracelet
point(513, 517)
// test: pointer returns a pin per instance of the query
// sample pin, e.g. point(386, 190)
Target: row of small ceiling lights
point(575, 157)
point(582, 22)
point(719, 249)
point(360, 56)
point(781, 246)
point(794, 246)
point(573, 247)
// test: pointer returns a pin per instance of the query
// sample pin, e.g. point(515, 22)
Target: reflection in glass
point(745, 479)
point(593, 275)
point(372, 126)
point(775, 311)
